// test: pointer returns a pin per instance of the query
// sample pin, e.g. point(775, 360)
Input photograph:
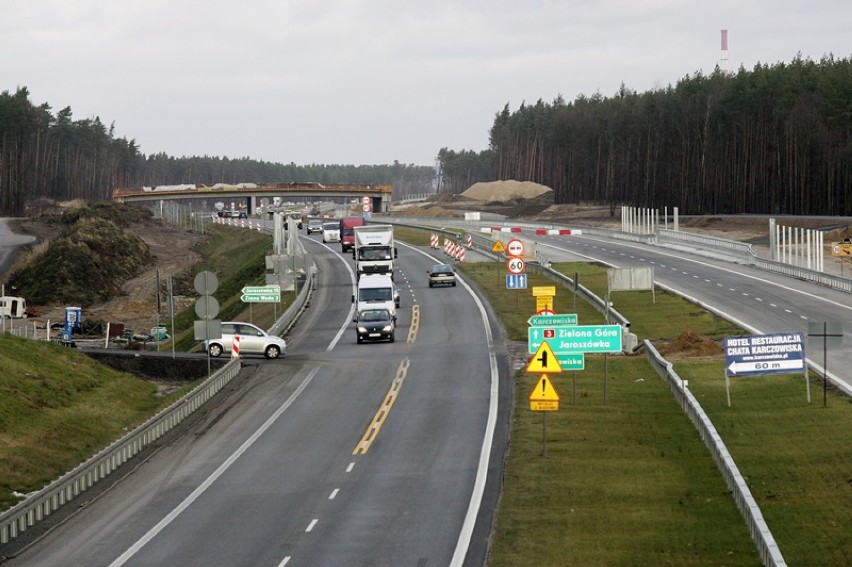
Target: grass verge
point(58, 407)
point(626, 479)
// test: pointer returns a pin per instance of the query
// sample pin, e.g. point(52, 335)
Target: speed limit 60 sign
point(516, 265)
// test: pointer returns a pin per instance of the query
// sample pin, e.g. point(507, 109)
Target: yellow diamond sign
point(544, 361)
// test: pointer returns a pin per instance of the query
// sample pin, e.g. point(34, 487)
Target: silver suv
point(253, 340)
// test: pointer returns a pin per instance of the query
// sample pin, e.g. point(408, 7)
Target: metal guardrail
point(66, 488)
point(770, 553)
point(735, 248)
point(838, 283)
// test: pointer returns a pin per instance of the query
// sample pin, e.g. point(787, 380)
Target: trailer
point(13, 307)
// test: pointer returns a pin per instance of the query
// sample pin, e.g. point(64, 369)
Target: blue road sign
point(765, 354)
point(516, 281)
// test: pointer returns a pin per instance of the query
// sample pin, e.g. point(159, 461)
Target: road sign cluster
point(559, 344)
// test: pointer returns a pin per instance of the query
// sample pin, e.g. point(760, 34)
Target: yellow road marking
point(383, 411)
point(415, 324)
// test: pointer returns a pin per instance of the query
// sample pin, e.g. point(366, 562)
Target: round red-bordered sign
point(516, 266)
point(515, 247)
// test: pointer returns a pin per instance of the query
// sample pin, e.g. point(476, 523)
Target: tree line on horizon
point(54, 156)
point(776, 139)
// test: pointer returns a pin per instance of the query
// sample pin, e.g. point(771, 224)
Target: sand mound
point(433, 211)
point(505, 190)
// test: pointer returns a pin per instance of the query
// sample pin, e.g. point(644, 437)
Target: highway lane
point(278, 472)
point(759, 301)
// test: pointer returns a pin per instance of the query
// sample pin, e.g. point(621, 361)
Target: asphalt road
point(337, 454)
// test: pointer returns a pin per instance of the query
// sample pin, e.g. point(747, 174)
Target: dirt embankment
point(104, 258)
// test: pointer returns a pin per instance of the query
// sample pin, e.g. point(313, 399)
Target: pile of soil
point(428, 211)
point(502, 191)
point(688, 345)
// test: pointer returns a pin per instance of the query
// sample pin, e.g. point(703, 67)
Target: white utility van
point(376, 292)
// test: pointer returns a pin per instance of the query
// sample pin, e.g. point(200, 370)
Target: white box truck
point(374, 251)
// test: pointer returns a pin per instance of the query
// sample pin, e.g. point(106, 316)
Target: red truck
point(347, 232)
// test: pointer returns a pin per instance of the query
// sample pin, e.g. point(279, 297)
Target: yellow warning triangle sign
point(544, 361)
point(498, 247)
point(544, 391)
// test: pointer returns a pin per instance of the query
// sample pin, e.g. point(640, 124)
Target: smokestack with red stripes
point(723, 64)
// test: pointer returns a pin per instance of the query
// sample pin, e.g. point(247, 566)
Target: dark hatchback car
point(375, 325)
point(441, 274)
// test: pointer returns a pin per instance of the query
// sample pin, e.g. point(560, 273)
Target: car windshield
point(331, 226)
point(375, 315)
point(375, 253)
point(375, 294)
point(442, 269)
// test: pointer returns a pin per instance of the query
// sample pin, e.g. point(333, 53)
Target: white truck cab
point(376, 292)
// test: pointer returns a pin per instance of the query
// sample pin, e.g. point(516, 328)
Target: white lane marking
point(284, 561)
point(333, 494)
point(171, 516)
point(346, 324)
point(350, 467)
point(311, 525)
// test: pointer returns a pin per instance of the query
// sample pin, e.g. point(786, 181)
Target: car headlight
point(387, 329)
point(362, 329)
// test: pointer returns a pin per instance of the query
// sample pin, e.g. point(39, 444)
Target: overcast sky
point(373, 81)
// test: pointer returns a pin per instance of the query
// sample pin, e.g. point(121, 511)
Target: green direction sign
point(576, 339)
point(552, 320)
point(262, 290)
point(261, 294)
point(260, 298)
point(571, 361)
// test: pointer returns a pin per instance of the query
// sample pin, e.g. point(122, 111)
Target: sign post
point(826, 335)
point(544, 398)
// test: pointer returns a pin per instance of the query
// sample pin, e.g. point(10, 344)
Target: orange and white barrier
point(235, 349)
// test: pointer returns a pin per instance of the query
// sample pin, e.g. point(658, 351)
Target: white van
point(376, 292)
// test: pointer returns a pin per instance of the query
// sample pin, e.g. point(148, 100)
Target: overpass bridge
point(248, 194)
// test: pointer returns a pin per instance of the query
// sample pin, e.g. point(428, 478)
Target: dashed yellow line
point(383, 411)
point(415, 324)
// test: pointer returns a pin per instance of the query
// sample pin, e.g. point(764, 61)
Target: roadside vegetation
point(58, 407)
point(92, 254)
point(626, 479)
